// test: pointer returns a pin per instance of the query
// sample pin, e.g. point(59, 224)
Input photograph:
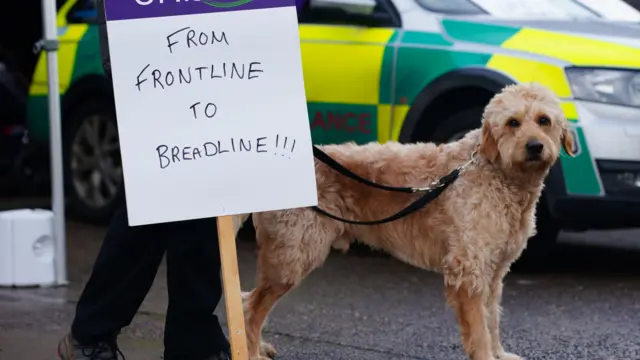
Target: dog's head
point(524, 127)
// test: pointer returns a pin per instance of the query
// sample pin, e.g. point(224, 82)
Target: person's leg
point(122, 275)
point(192, 330)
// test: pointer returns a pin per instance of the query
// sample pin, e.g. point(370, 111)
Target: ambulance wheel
point(539, 251)
point(94, 183)
point(456, 126)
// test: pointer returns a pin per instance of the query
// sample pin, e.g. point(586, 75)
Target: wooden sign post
point(231, 283)
point(212, 117)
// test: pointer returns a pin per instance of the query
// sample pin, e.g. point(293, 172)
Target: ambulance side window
point(383, 15)
point(83, 12)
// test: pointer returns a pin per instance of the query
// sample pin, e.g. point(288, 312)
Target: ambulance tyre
point(540, 246)
point(539, 251)
point(457, 125)
point(94, 184)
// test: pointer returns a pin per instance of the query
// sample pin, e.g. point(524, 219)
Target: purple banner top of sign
point(141, 9)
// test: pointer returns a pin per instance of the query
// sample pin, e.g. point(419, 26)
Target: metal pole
point(50, 44)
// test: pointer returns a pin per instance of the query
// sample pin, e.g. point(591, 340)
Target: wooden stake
point(231, 283)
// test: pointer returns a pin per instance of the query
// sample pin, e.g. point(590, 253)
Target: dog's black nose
point(534, 147)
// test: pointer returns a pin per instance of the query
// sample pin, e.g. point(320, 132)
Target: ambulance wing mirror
point(360, 7)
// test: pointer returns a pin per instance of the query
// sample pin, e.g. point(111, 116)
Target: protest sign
point(212, 117)
point(211, 107)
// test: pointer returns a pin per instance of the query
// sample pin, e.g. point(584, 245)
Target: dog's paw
point(267, 350)
point(259, 358)
point(508, 356)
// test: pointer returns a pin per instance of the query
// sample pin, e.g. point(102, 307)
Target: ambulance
point(408, 71)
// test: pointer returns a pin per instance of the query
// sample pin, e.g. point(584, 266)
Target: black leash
point(422, 201)
point(330, 162)
point(430, 193)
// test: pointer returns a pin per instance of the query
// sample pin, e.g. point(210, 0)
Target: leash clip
point(471, 161)
point(442, 181)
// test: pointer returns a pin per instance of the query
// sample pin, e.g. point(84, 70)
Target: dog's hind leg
point(493, 314)
point(469, 306)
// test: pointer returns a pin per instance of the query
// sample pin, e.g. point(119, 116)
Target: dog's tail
point(238, 221)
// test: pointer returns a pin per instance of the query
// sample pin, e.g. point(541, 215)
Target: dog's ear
point(567, 141)
point(489, 146)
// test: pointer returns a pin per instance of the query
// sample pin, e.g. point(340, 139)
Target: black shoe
point(70, 349)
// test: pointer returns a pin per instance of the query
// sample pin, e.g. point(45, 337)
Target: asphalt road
point(584, 305)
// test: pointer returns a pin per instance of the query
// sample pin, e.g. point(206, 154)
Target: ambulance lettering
point(349, 122)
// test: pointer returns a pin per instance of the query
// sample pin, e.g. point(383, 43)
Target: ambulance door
point(347, 62)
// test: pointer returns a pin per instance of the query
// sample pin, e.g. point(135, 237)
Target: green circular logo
point(226, 4)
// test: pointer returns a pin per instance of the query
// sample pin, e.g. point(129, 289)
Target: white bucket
point(27, 248)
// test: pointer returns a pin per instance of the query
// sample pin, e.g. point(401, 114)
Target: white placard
point(212, 113)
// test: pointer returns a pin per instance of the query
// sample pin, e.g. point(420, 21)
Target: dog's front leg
point(494, 310)
point(468, 304)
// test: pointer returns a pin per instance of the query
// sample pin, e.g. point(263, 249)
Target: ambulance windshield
point(529, 9)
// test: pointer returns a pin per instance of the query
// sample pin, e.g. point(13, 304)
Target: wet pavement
point(584, 305)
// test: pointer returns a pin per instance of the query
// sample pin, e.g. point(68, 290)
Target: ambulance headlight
point(612, 86)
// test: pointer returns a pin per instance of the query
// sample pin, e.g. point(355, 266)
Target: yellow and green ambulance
point(408, 70)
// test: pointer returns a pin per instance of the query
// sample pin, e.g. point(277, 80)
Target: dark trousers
point(125, 269)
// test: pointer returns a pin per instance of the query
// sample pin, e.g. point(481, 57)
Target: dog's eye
point(513, 123)
point(543, 120)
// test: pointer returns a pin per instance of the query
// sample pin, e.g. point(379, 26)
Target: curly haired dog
point(471, 233)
